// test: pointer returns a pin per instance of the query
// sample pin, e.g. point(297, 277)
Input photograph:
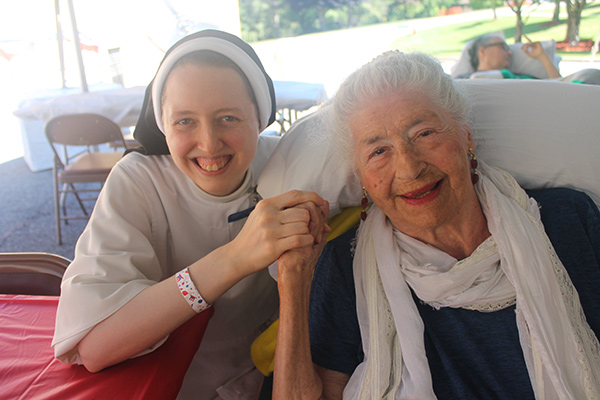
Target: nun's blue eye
point(185, 121)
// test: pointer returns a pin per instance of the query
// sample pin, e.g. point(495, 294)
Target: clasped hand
point(289, 221)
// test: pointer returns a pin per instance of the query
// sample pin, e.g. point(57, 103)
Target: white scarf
point(561, 352)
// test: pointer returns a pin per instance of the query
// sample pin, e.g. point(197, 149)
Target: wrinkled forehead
point(400, 109)
point(494, 40)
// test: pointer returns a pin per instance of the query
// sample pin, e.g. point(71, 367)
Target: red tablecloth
point(28, 369)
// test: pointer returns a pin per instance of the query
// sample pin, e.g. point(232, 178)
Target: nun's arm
point(274, 227)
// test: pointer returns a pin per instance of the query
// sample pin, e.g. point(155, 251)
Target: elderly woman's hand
point(285, 222)
point(298, 263)
point(534, 49)
point(295, 267)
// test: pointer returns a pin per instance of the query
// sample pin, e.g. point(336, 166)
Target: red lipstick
point(422, 195)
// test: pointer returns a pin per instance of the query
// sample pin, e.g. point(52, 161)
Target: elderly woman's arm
point(535, 50)
point(295, 376)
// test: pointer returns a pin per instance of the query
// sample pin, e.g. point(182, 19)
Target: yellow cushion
point(263, 348)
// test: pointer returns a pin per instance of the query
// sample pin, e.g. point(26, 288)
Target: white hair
point(392, 71)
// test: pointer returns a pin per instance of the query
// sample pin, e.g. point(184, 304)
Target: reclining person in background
point(491, 53)
point(454, 285)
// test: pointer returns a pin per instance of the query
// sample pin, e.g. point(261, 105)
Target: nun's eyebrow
point(188, 113)
point(180, 113)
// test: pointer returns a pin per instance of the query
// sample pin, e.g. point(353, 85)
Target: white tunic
point(149, 222)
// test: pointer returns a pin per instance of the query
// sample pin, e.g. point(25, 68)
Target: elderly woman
point(452, 287)
point(490, 54)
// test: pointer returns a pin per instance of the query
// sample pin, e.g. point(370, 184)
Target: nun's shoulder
point(143, 168)
point(266, 145)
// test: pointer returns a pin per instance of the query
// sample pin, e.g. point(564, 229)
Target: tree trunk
point(572, 31)
point(556, 15)
point(574, 9)
point(519, 27)
point(516, 6)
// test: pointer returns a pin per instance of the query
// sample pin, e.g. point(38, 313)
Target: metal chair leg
point(56, 204)
point(79, 200)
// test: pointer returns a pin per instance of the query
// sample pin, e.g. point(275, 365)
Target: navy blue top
point(472, 355)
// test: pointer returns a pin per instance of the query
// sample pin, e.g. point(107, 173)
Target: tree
point(517, 7)
point(494, 5)
point(479, 4)
point(574, 9)
point(556, 15)
point(268, 19)
point(312, 14)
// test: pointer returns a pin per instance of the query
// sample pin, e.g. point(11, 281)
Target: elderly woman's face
point(494, 55)
point(211, 126)
point(412, 157)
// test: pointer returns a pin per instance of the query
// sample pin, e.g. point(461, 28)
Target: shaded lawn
point(448, 41)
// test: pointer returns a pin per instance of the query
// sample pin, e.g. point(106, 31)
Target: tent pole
point(84, 85)
point(59, 38)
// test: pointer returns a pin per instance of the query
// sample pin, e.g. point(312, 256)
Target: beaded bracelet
point(189, 292)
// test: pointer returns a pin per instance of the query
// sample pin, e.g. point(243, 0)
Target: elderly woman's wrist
point(293, 280)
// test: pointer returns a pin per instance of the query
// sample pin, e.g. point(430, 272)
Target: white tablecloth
point(119, 105)
point(298, 96)
point(123, 106)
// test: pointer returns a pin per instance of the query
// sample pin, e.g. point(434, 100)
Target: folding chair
point(88, 165)
point(32, 273)
point(130, 142)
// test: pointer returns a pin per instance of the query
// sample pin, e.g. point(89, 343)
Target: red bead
point(363, 215)
point(474, 163)
point(474, 178)
point(364, 202)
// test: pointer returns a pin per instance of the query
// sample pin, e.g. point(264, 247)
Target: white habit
point(149, 222)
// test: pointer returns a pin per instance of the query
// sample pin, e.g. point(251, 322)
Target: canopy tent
point(88, 33)
point(59, 36)
point(140, 29)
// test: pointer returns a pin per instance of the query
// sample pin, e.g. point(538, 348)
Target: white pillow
point(545, 133)
point(520, 63)
point(495, 74)
point(463, 64)
point(304, 159)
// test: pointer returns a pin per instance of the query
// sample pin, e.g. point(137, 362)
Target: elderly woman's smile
point(412, 159)
point(427, 192)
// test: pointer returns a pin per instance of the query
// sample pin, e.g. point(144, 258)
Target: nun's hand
point(295, 267)
point(291, 220)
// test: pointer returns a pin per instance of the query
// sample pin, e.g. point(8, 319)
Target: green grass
point(448, 41)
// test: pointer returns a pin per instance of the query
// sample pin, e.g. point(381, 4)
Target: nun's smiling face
point(211, 126)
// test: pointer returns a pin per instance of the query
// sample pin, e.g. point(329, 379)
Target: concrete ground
point(27, 212)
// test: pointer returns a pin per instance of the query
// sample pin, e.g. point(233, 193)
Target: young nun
point(164, 213)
